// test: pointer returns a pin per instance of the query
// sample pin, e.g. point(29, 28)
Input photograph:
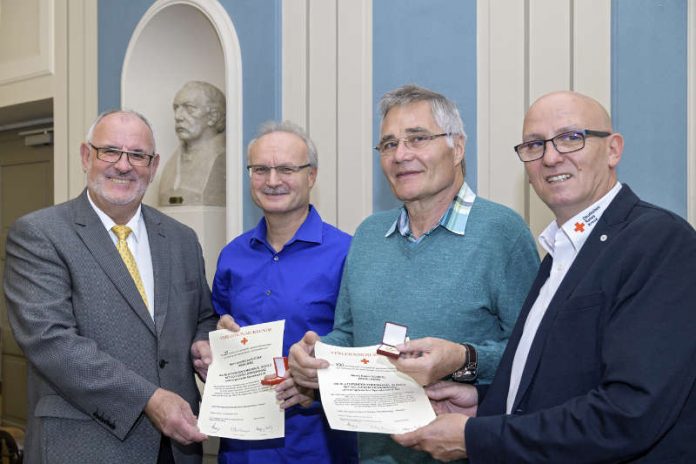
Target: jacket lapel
point(505, 370)
point(94, 235)
point(611, 222)
point(161, 267)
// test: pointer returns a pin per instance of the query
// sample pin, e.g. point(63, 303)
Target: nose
point(273, 178)
point(123, 165)
point(551, 155)
point(402, 153)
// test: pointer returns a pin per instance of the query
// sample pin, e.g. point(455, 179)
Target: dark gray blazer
point(95, 355)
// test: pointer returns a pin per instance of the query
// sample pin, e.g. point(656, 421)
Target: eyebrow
point(535, 136)
point(136, 150)
point(409, 130)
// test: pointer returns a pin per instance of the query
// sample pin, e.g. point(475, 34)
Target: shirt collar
point(310, 231)
point(135, 224)
point(454, 219)
point(579, 227)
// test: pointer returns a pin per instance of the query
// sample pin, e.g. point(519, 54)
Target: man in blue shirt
point(288, 267)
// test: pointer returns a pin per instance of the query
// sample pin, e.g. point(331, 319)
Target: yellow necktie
point(122, 232)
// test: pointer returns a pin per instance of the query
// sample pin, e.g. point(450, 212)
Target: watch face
point(464, 375)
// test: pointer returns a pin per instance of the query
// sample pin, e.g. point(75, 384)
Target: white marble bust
point(195, 173)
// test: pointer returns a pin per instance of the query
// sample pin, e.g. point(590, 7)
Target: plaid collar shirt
point(454, 219)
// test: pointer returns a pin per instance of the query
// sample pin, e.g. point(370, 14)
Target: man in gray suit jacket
point(111, 362)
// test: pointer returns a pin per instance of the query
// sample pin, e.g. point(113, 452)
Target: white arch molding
point(177, 41)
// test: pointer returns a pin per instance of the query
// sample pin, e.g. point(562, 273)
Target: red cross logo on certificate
point(579, 227)
point(245, 341)
point(364, 361)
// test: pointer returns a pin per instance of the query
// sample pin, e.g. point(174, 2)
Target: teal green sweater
point(466, 288)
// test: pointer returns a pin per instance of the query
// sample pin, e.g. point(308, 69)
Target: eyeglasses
point(414, 142)
point(113, 155)
point(284, 170)
point(567, 142)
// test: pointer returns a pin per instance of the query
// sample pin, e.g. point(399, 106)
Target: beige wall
point(46, 70)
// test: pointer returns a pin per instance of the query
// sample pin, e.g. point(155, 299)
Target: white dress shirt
point(139, 246)
point(563, 244)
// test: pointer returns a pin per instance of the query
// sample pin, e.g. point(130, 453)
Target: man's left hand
point(443, 438)
point(289, 393)
point(429, 359)
point(202, 357)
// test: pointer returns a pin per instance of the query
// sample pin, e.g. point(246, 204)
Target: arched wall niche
point(177, 41)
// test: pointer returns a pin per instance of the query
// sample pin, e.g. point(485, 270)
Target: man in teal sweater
point(447, 264)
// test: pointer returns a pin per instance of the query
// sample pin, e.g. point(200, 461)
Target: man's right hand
point(303, 364)
point(172, 416)
point(227, 322)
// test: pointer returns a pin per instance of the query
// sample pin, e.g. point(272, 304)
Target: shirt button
point(268, 292)
point(275, 258)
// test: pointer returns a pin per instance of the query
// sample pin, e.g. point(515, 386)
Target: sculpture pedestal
point(209, 224)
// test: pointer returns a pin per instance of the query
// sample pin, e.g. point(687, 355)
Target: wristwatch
point(468, 371)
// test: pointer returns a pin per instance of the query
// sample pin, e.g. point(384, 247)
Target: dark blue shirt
point(300, 284)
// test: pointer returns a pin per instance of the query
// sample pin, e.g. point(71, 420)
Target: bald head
point(570, 178)
point(568, 105)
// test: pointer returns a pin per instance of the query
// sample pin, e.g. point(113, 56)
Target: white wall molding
point(327, 88)
point(74, 91)
point(501, 100)
point(355, 112)
point(525, 50)
point(295, 55)
point(33, 63)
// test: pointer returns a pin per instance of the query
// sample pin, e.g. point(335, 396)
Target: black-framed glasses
point(113, 155)
point(413, 141)
point(567, 142)
point(283, 170)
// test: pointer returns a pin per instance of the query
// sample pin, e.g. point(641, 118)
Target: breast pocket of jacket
point(575, 336)
point(184, 298)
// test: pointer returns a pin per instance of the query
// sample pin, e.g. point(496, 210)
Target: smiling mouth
point(557, 179)
point(117, 180)
point(406, 173)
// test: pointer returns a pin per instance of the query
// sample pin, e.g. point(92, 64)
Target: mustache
point(279, 190)
point(118, 175)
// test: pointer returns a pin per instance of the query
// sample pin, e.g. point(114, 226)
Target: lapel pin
point(603, 238)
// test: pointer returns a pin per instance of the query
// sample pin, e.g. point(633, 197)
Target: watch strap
point(469, 370)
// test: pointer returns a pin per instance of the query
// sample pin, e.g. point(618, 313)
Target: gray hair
point(444, 111)
point(90, 131)
point(215, 99)
point(289, 127)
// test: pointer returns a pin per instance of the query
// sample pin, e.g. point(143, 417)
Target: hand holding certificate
point(235, 403)
point(362, 391)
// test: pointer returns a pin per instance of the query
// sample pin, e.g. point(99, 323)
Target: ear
point(153, 167)
point(84, 155)
point(213, 117)
point(616, 145)
point(312, 176)
point(459, 149)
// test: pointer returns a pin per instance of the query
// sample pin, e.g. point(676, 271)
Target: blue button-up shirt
point(256, 284)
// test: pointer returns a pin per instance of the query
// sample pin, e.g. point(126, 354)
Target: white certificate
point(235, 404)
point(362, 391)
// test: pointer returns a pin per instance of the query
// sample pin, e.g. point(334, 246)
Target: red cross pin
point(579, 227)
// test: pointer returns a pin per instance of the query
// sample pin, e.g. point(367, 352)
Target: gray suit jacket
point(95, 355)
